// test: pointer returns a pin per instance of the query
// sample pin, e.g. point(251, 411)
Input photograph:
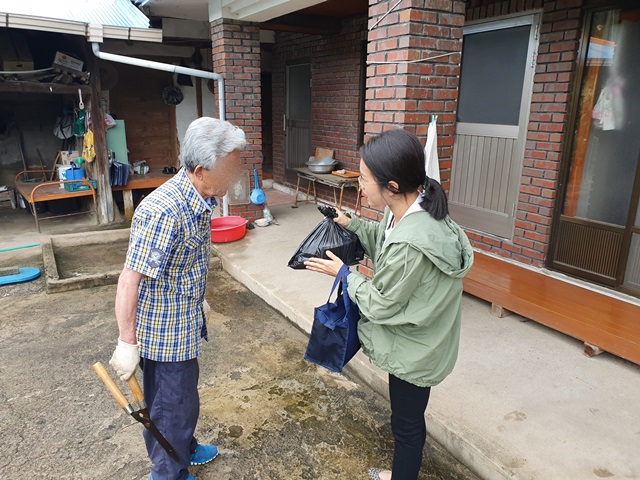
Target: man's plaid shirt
point(170, 244)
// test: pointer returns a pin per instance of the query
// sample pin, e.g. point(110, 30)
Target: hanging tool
point(142, 414)
point(257, 196)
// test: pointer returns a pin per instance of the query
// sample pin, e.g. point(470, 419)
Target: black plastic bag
point(328, 235)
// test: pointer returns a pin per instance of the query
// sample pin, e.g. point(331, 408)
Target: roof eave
point(93, 32)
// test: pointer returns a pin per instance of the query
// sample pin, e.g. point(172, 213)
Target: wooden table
point(333, 181)
point(41, 191)
point(136, 182)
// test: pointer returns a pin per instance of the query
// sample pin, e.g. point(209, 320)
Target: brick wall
point(553, 83)
point(236, 56)
point(336, 65)
point(407, 94)
point(481, 9)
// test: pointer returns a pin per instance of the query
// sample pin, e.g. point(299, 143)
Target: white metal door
point(498, 64)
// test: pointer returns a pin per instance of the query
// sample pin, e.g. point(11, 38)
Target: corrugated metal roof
point(117, 13)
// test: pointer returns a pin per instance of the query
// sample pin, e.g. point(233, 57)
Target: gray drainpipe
point(138, 62)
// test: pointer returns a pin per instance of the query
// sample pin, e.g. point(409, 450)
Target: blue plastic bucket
point(75, 173)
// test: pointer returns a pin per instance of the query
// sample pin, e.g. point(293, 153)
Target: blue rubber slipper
point(203, 454)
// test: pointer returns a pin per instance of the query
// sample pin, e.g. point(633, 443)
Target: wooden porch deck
point(611, 324)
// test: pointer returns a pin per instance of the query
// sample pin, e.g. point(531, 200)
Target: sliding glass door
point(597, 228)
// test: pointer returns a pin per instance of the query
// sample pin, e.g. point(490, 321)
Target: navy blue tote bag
point(334, 334)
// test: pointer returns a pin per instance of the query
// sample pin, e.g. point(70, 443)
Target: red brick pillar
point(553, 83)
point(236, 56)
point(402, 94)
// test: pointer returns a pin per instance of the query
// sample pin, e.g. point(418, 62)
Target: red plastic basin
point(228, 229)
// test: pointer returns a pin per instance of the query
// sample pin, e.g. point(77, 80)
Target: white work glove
point(207, 310)
point(125, 359)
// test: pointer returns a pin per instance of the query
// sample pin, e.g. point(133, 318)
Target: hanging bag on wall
point(334, 335)
point(63, 128)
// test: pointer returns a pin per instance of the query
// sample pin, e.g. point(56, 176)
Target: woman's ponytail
point(435, 200)
point(398, 156)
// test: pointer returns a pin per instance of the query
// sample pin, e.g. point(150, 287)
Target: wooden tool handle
point(113, 388)
point(138, 396)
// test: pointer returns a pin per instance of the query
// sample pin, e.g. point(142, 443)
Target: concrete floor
point(21, 228)
point(522, 403)
point(274, 415)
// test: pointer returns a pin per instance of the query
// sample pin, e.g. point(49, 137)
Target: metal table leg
point(341, 192)
point(295, 203)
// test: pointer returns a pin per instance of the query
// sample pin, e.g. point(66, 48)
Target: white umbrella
point(432, 166)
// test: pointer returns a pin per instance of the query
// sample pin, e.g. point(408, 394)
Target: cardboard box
point(68, 156)
point(67, 62)
point(14, 52)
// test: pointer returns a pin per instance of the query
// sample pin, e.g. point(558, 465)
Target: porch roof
point(259, 11)
point(116, 13)
point(118, 19)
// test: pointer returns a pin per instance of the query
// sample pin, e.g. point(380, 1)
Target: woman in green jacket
point(410, 310)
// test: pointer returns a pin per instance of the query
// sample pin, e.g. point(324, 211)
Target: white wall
point(186, 111)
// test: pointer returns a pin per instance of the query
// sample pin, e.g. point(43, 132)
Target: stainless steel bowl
point(315, 168)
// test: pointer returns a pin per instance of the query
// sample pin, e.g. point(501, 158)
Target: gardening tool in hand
point(142, 413)
point(257, 195)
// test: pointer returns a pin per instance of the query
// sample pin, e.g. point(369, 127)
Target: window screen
point(492, 76)
point(300, 92)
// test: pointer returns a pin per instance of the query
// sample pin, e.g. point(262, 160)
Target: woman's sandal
point(374, 473)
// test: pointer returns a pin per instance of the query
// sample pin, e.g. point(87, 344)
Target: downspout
point(138, 62)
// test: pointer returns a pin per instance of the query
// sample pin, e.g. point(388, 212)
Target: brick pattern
point(407, 94)
point(236, 56)
point(553, 83)
point(336, 95)
point(481, 9)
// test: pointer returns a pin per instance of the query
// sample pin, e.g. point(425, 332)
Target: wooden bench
point(39, 190)
point(137, 182)
point(597, 319)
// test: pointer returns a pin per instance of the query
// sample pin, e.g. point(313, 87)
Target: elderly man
point(161, 292)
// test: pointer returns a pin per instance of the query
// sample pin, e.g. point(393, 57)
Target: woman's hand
point(330, 267)
point(342, 219)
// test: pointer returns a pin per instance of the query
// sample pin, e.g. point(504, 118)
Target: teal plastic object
point(117, 142)
point(26, 274)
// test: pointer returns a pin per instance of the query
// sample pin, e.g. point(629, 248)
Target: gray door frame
point(479, 149)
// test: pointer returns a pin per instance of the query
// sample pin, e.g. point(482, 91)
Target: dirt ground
point(273, 415)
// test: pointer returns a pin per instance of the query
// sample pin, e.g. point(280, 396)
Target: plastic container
point(62, 173)
point(228, 229)
point(75, 173)
point(75, 187)
point(63, 206)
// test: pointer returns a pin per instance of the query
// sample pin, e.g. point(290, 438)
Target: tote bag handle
point(340, 278)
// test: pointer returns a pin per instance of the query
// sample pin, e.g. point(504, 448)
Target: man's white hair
point(208, 139)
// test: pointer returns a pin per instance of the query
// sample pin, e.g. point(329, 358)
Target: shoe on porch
point(203, 454)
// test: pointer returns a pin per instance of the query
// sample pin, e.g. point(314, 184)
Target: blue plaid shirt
point(170, 244)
